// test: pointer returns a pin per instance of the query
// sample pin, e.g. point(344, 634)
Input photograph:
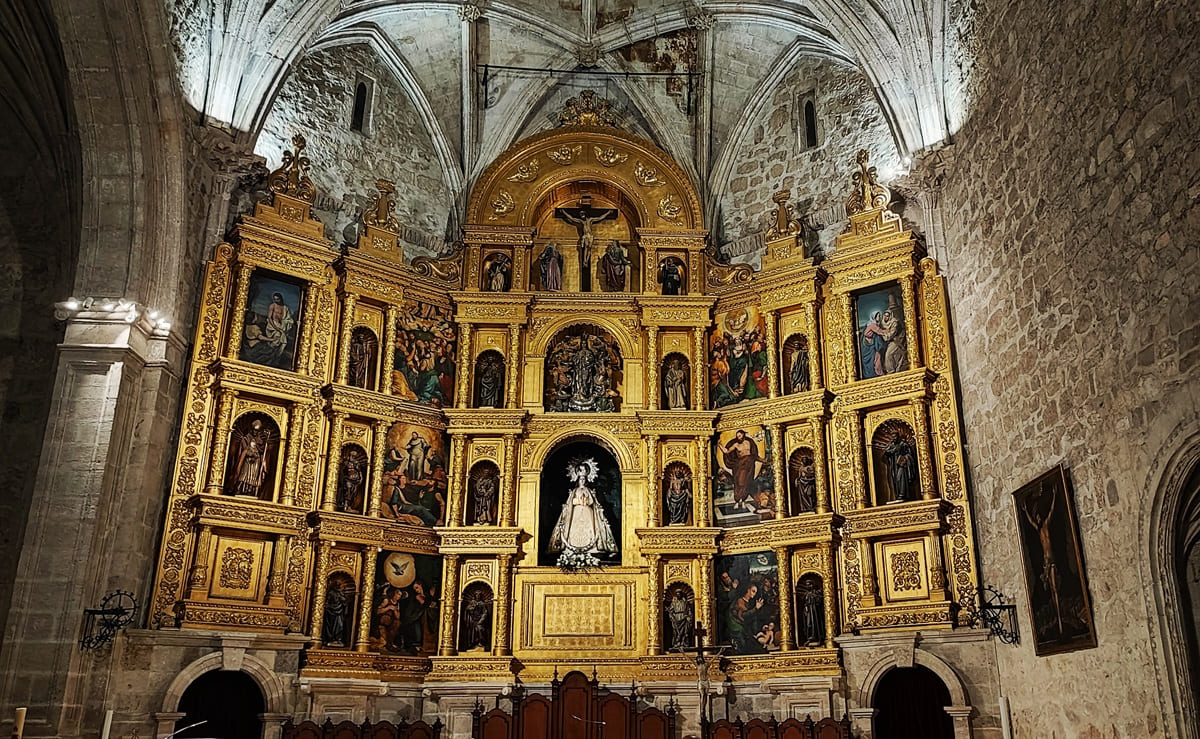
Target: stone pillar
point(508, 481)
point(349, 303)
point(462, 382)
point(237, 315)
point(295, 436)
point(704, 597)
point(504, 604)
point(786, 586)
point(828, 592)
point(816, 369)
point(512, 376)
point(365, 587)
point(449, 605)
point(378, 455)
point(924, 449)
point(702, 484)
point(699, 361)
point(818, 447)
point(778, 460)
point(458, 476)
point(388, 365)
point(911, 329)
point(654, 628)
point(198, 582)
point(654, 508)
point(773, 350)
point(468, 13)
point(318, 601)
point(333, 460)
point(653, 390)
point(220, 443)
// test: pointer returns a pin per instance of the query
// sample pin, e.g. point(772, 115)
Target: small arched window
point(810, 124)
point(358, 119)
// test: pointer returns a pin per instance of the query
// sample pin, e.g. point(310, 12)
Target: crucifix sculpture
point(585, 217)
point(704, 656)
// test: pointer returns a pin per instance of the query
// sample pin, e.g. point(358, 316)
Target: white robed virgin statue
point(582, 535)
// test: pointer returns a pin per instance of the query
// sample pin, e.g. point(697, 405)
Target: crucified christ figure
point(1049, 567)
point(586, 217)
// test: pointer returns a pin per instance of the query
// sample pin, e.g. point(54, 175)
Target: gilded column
point(508, 478)
point(462, 382)
point(449, 605)
point(848, 339)
point(856, 449)
point(318, 601)
point(828, 593)
point(198, 582)
point(654, 515)
point(703, 484)
point(870, 586)
point(924, 449)
point(333, 461)
point(458, 456)
point(389, 349)
point(788, 640)
point(379, 455)
point(910, 323)
point(220, 443)
point(773, 349)
point(818, 447)
point(816, 371)
point(705, 598)
point(653, 391)
point(237, 320)
point(295, 438)
point(343, 361)
point(778, 459)
point(504, 606)
point(279, 563)
point(654, 630)
point(937, 567)
point(312, 300)
point(699, 386)
point(512, 377)
point(367, 586)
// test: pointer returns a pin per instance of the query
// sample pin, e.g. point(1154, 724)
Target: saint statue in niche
point(680, 609)
point(255, 439)
point(363, 345)
point(802, 473)
point(489, 380)
point(614, 265)
point(352, 480)
point(498, 274)
point(550, 268)
point(894, 450)
point(810, 611)
point(475, 629)
point(484, 484)
point(582, 537)
point(678, 486)
point(798, 376)
point(675, 384)
point(670, 276)
point(580, 369)
point(339, 600)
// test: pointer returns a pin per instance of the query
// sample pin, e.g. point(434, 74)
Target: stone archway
point(232, 659)
point(959, 710)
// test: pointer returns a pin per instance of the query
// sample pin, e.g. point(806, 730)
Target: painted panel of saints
point(414, 476)
point(882, 338)
point(737, 358)
point(272, 321)
point(406, 603)
point(747, 591)
point(743, 483)
point(425, 348)
point(580, 508)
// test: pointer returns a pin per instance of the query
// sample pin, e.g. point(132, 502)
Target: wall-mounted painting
point(425, 350)
point(743, 483)
point(580, 508)
point(414, 476)
point(1059, 604)
point(406, 603)
point(882, 335)
point(748, 602)
point(272, 320)
point(737, 356)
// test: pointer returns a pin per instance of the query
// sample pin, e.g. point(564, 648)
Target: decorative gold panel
point(565, 616)
point(239, 570)
point(903, 570)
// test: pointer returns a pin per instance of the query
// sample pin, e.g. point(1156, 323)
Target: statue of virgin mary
point(582, 537)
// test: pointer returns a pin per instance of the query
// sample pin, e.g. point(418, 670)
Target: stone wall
point(317, 99)
point(772, 156)
point(1072, 223)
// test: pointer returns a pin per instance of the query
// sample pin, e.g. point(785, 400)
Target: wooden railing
point(792, 728)
point(365, 730)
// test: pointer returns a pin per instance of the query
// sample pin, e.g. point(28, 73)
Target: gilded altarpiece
point(572, 440)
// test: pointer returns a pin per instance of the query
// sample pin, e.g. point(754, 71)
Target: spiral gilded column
point(778, 459)
point(654, 630)
point(378, 456)
point(449, 605)
point(508, 481)
point(698, 360)
point(333, 460)
point(343, 360)
point(512, 376)
point(462, 383)
point(237, 318)
point(389, 349)
point(772, 354)
point(504, 605)
point(220, 443)
point(367, 586)
point(317, 621)
point(653, 391)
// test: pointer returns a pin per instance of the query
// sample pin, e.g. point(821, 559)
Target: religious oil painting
point(272, 321)
point(1059, 604)
point(414, 476)
point(881, 333)
point(743, 483)
point(406, 603)
point(579, 513)
point(425, 349)
point(747, 591)
point(737, 358)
